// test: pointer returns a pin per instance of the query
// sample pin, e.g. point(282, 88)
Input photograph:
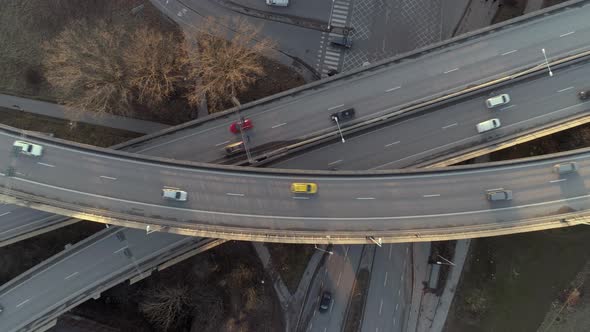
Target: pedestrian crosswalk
point(329, 57)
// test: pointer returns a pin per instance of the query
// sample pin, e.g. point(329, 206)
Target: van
point(488, 125)
point(277, 3)
point(565, 168)
point(234, 148)
point(499, 195)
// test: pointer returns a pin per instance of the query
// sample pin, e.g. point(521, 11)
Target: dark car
point(584, 94)
point(343, 115)
point(245, 124)
point(325, 301)
point(344, 41)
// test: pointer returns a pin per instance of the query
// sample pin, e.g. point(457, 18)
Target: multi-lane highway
point(535, 102)
point(385, 89)
point(259, 202)
point(40, 295)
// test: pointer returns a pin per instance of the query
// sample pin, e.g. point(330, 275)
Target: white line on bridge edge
point(509, 52)
point(23, 302)
point(108, 177)
point(335, 162)
point(234, 194)
point(390, 144)
point(278, 125)
point(298, 197)
point(568, 88)
point(44, 164)
point(507, 107)
point(218, 144)
point(567, 34)
point(393, 89)
point(71, 275)
point(433, 195)
point(365, 198)
point(552, 181)
point(493, 189)
point(334, 107)
point(450, 71)
point(5, 213)
point(449, 126)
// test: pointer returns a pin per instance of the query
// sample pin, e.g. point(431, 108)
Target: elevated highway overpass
point(256, 204)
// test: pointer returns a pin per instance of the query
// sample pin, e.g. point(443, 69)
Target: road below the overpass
point(387, 89)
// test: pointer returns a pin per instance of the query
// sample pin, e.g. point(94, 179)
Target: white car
point(278, 3)
point(27, 148)
point(174, 194)
point(498, 100)
point(488, 125)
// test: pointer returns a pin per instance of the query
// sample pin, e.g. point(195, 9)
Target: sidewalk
point(57, 111)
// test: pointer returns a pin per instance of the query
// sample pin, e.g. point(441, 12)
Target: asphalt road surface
point(78, 272)
point(382, 91)
point(262, 200)
point(539, 101)
point(388, 300)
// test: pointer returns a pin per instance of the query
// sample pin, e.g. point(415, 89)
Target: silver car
point(499, 195)
point(174, 194)
point(498, 100)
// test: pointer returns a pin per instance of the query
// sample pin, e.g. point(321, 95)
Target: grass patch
point(510, 281)
point(357, 302)
point(81, 133)
point(290, 260)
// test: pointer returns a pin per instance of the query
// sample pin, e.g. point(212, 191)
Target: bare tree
point(165, 306)
point(156, 63)
point(85, 65)
point(225, 62)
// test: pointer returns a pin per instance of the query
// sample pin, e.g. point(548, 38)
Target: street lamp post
point(547, 62)
point(323, 250)
point(376, 241)
point(339, 130)
point(240, 123)
point(330, 19)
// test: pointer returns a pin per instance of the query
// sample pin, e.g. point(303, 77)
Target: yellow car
point(304, 188)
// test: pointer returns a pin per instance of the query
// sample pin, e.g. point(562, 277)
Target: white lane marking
point(507, 107)
point(264, 216)
point(222, 143)
point(44, 164)
point(5, 213)
point(390, 249)
point(385, 281)
point(402, 277)
point(365, 198)
point(345, 251)
point(568, 88)
point(23, 302)
point(298, 197)
point(335, 162)
point(552, 181)
point(108, 177)
point(567, 34)
point(407, 249)
point(335, 107)
point(311, 324)
point(399, 291)
point(339, 276)
point(390, 144)
point(449, 126)
point(393, 89)
point(71, 275)
point(432, 195)
point(509, 52)
point(278, 125)
point(234, 194)
point(450, 71)
point(380, 307)
point(397, 304)
point(393, 321)
point(119, 250)
point(325, 328)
